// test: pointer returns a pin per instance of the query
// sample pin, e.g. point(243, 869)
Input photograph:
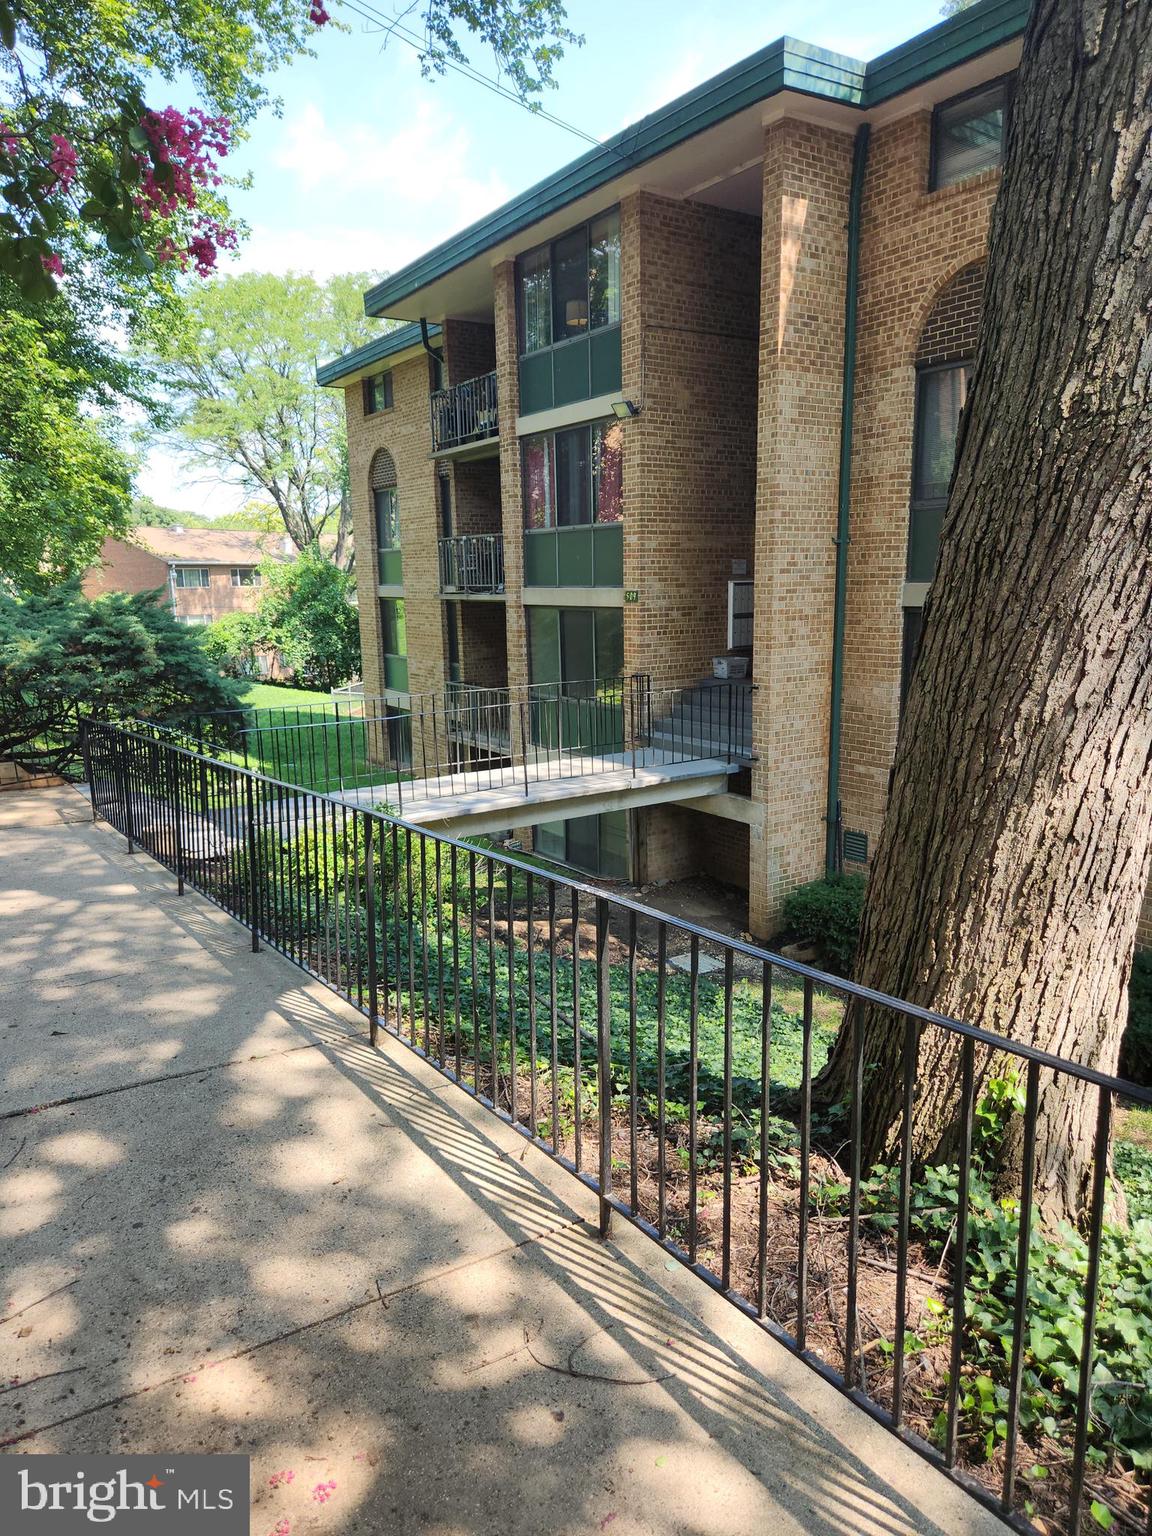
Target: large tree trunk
point(1008, 880)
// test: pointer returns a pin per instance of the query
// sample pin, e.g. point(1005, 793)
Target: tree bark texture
point(1008, 880)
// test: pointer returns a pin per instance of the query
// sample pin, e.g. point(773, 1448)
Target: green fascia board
point(785, 65)
point(962, 37)
point(379, 350)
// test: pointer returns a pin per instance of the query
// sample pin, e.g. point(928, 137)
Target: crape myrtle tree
point(1015, 851)
point(96, 166)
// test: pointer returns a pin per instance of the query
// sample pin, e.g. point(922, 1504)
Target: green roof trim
point(964, 36)
point(379, 350)
point(785, 65)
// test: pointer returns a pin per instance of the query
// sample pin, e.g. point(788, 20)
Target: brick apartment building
point(204, 572)
point(714, 364)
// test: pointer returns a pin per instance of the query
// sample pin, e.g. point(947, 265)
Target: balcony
point(465, 416)
point(472, 565)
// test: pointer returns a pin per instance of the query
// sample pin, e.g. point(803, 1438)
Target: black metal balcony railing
point(472, 562)
point(465, 413)
point(673, 1070)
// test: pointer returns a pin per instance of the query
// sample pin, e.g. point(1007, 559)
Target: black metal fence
point(677, 1073)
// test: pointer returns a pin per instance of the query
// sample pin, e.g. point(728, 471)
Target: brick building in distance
point(696, 394)
point(205, 572)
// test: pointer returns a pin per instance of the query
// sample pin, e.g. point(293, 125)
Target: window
point(574, 477)
point(245, 576)
point(377, 393)
point(576, 647)
point(387, 512)
point(968, 133)
point(598, 844)
point(940, 395)
point(193, 618)
point(572, 286)
point(393, 627)
point(190, 576)
point(909, 648)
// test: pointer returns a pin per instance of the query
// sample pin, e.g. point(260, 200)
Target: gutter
point(832, 859)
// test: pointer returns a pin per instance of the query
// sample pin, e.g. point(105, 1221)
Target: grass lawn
point(292, 739)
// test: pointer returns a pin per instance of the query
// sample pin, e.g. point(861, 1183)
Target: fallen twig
point(11, 1316)
point(579, 1375)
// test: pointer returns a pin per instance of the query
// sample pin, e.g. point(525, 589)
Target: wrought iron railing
point(472, 562)
point(677, 1073)
point(468, 739)
point(465, 413)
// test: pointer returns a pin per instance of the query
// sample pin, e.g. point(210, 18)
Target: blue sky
point(368, 163)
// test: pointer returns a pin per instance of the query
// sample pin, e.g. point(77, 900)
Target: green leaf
point(1101, 1514)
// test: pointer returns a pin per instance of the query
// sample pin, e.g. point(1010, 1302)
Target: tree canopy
point(307, 612)
point(65, 658)
point(240, 370)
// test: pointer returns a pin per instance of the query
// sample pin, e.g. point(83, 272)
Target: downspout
point(844, 500)
point(436, 352)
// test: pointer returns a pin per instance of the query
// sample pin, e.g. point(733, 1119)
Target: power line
point(395, 27)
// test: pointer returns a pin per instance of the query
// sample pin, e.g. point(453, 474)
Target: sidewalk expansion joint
point(382, 1298)
point(163, 1077)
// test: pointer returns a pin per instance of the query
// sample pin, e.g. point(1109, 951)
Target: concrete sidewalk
point(244, 1230)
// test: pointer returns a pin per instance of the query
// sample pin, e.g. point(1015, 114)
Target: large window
point(574, 477)
point(940, 395)
point(572, 286)
point(245, 576)
point(598, 844)
point(191, 576)
point(386, 510)
point(968, 132)
point(386, 516)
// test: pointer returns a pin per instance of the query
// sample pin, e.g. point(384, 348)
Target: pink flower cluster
point(281, 1477)
point(317, 15)
point(281, 1528)
point(188, 144)
point(52, 264)
point(9, 140)
point(62, 162)
point(323, 1492)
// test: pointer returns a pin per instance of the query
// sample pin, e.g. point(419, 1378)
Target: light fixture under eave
point(624, 410)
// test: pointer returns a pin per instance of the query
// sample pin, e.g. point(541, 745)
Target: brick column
point(807, 171)
point(508, 400)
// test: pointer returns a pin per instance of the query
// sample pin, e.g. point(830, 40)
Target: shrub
point(1136, 1047)
point(827, 913)
point(231, 643)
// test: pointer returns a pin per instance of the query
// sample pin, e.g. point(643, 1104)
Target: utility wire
point(394, 27)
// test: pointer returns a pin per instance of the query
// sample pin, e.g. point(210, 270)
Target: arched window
point(386, 514)
point(944, 356)
point(943, 365)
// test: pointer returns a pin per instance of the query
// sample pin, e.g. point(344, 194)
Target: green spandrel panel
point(536, 383)
point(608, 562)
point(391, 568)
point(396, 672)
point(605, 362)
point(574, 557)
point(924, 542)
point(540, 558)
point(570, 379)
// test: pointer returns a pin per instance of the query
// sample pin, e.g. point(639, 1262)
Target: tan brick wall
point(405, 432)
point(1144, 931)
point(483, 644)
point(690, 279)
point(807, 171)
point(912, 243)
point(508, 396)
point(476, 496)
point(469, 350)
point(676, 843)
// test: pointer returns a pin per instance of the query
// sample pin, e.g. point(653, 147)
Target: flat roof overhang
point(707, 145)
point(398, 346)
